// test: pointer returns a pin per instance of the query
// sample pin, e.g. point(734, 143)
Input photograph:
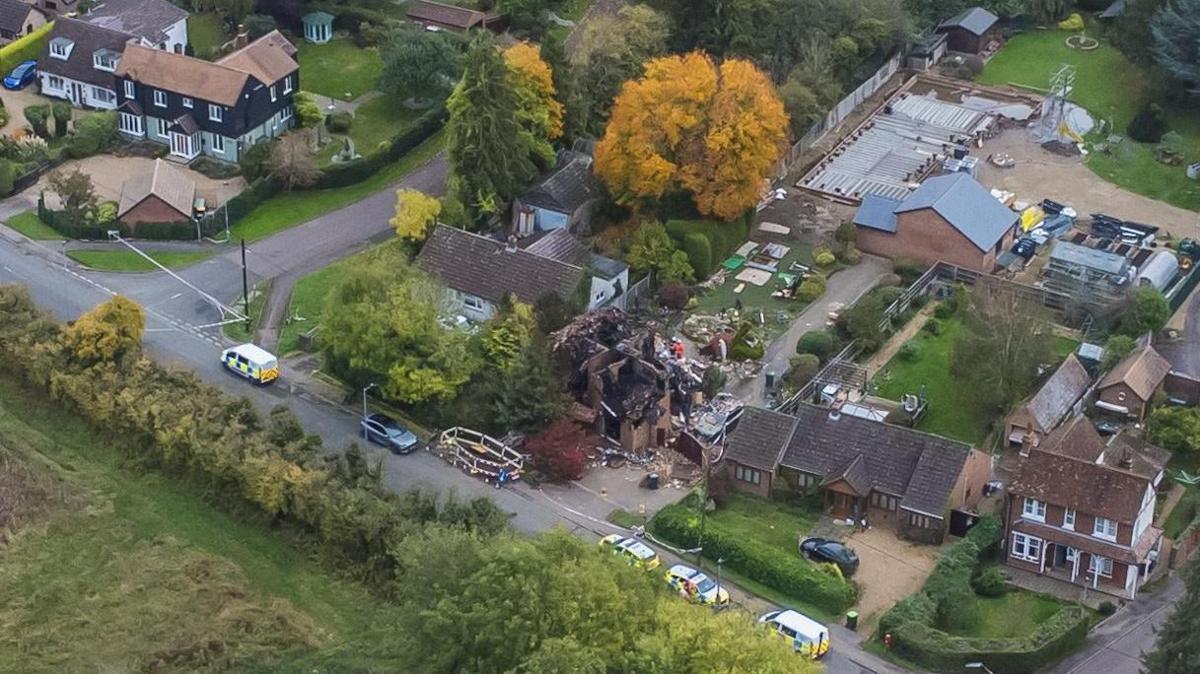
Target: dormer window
point(187, 102)
point(60, 48)
point(106, 60)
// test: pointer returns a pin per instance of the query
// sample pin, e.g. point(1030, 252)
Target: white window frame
point(1033, 509)
point(1071, 554)
point(1101, 528)
point(218, 143)
point(54, 82)
point(750, 475)
point(1103, 566)
point(216, 113)
point(1026, 548)
point(129, 89)
point(134, 124)
point(98, 64)
point(286, 113)
point(287, 84)
point(274, 96)
point(160, 98)
point(1069, 519)
point(60, 51)
point(164, 128)
point(102, 94)
point(187, 102)
point(472, 302)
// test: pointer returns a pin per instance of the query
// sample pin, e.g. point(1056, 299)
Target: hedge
point(341, 175)
point(932, 648)
point(24, 49)
point(724, 238)
point(699, 252)
point(151, 231)
point(766, 564)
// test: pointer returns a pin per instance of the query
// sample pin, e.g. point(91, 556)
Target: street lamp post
point(717, 604)
point(366, 388)
point(978, 665)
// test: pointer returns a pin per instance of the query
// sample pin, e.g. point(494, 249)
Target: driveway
point(15, 103)
point(108, 173)
point(889, 568)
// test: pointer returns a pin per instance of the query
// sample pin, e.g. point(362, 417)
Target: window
point(54, 82)
point(187, 102)
point(287, 84)
point(163, 126)
point(160, 98)
point(1034, 509)
point(473, 302)
point(1071, 554)
point(131, 123)
point(1101, 565)
point(104, 60)
point(1069, 519)
point(1105, 528)
point(747, 474)
point(103, 95)
point(285, 114)
point(129, 89)
point(881, 500)
point(1027, 548)
point(920, 521)
point(273, 96)
point(215, 113)
point(60, 48)
point(218, 142)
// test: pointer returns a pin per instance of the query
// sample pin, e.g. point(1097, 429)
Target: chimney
point(1127, 460)
point(835, 409)
point(510, 244)
point(243, 37)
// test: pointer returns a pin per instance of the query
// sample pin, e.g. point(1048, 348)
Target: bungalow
point(1129, 388)
point(18, 19)
point(1042, 413)
point(898, 477)
point(160, 194)
point(480, 272)
point(949, 218)
point(564, 198)
point(440, 16)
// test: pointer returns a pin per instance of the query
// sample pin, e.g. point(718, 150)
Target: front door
point(76, 93)
point(182, 145)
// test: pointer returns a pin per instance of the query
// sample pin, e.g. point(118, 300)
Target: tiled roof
point(446, 15)
point(760, 438)
point(566, 189)
point(966, 205)
point(877, 212)
point(1077, 439)
point(269, 58)
point(149, 19)
point(266, 60)
point(562, 245)
point(975, 20)
point(13, 13)
point(163, 181)
point(87, 40)
point(854, 473)
point(1060, 392)
point(1142, 371)
point(1086, 486)
point(1145, 459)
point(489, 269)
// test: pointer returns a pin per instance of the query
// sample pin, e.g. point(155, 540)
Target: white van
point(252, 362)
point(807, 636)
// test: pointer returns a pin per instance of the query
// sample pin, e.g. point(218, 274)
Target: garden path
point(884, 355)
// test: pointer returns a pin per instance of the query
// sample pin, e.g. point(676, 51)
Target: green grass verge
point(338, 69)
point(258, 299)
point(133, 568)
point(775, 597)
point(1183, 514)
point(288, 210)
point(624, 518)
point(206, 33)
point(1113, 89)
point(31, 226)
point(127, 260)
point(378, 120)
point(308, 303)
point(775, 522)
point(1016, 614)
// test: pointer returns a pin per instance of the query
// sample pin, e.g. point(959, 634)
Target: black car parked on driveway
point(386, 431)
point(826, 550)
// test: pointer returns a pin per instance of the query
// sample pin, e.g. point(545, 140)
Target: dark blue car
point(20, 76)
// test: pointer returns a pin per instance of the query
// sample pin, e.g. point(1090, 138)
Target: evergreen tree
point(1178, 650)
point(1176, 30)
point(489, 152)
point(527, 395)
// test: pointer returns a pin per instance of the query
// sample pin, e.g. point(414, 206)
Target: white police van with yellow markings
point(252, 362)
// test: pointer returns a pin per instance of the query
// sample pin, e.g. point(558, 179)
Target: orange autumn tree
point(690, 124)
point(539, 112)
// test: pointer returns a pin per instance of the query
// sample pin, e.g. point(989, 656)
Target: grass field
point(31, 226)
point(206, 32)
point(378, 120)
point(258, 299)
point(287, 210)
point(338, 69)
point(307, 303)
point(1113, 89)
point(127, 260)
point(124, 571)
point(1016, 614)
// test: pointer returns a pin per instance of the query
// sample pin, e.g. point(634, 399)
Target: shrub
point(986, 535)
point(258, 25)
point(890, 281)
point(909, 352)
point(1175, 428)
point(852, 255)
point(340, 122)
point(916, 608)
point(933, 326)
point(991, 582)
point(817, 342)
point(557, 451)
point(6, 177)
point(846, 234)
point(811, 288)
point(898, 417)
point(93, 134)
point(823, 257)
point(801, 370)
point(674, 295)
point(949, 586)
point(908, 270)
point(1073, 23)
point(1148, 126)
point(36, 115)
point(62, 118)
point(774, 567)
point(1107, 608)
point(699, 252)
point(745, 346)
point(254, 161)
point(945, 310)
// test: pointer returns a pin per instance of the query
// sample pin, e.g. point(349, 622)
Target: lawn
point(1183, 514)
point(134, 572)
point(759, 297)
point(31, 226)
point(258, 299)
point(288, 210)
point(1014, 615)
point(773, 522)
point(308, 301)
point(380, 119)
point(338, 69)
point(1113, 89)
point(206, 33)
point(127, 260)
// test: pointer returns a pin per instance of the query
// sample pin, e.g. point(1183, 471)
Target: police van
point(808, 637)
point(252, 362)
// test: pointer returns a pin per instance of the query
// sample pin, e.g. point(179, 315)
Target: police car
point(636, 553)
point(807, 636)
point(696, 587)
point(252, 362)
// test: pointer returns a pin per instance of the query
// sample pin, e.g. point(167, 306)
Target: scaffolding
point(1056, 123)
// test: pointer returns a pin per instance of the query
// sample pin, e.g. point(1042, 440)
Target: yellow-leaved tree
point(690, 124)
point(106, 332)
point(415, 214)
point(539, 112)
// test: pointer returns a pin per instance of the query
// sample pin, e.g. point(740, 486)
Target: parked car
point(695, 586)
point(21, 76)
point(386, 431)
point(1107, 426)
point(825, 550)
point(252, 362)
point(808, 637)
point(636, 553)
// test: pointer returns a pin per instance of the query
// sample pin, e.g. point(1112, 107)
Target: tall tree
point(1145, 311)
point(1177, 650)
point(489, 151)
point(540, 113)
point(690, 125)
point(415, 214)
point(419, 64)
point(651, 250)
point(612, 50)
point(75, 191)
point(1176, 30)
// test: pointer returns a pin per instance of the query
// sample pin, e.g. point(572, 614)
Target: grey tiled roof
point(976, 20)
point(760, 438)
point(12, 15)
point(88, 39)
point(487, 268)
point(877, 212)
point(1060, 392)
point(566, 189)
point(149, 19)
point(966, 205)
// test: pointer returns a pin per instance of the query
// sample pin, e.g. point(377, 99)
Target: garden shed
point(970, 30)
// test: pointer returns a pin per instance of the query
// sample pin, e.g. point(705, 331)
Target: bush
point(801, 370)
point(340, 122)
point(254, 161)
point(6, 177)
point(745, 346)
point(1148, 126)
point(37, 115)
point(945, 310)
point(898, 417)
point(27, 48)
point(723, 237)
point(341, 175)
point(811, 288)
point(1073, 23)
point(699, 252)
point(915, 608)
point(991, 582)
point(852, 255)
point(557, 451)
point(889, 281)
point(774, 567)
point(1107, 608)
point(93, 134)
point(817, 342)
point(933, 326)
point(986, 535)
point(909, 352)
point(1175, 428)
point(823, 257)
point(62, 118)
point(908, 270)
point(258, 25)
point(674, 296)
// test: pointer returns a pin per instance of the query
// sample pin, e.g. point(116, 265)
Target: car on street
point(826, 550)
point(635, 553)
point(252, 362)
point(808, 637)
point(695, 586)
point(21, 76)
point(387, 432)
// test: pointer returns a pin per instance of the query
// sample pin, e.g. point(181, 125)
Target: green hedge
point(723, 237)
point(151, 231)
point(24, 49)
point(775, 568)
point(930, 647)
point(699, 252)
point(341, 175)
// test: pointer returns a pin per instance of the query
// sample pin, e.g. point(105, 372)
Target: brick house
point(1062, 393)
point(1129, 388)
point(1082, 513)
point(897, 477)
point(951, 218)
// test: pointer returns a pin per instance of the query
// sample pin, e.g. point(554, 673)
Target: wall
point(932, 535)
point(968, 489)
point(151, 209)
point(762, 489)
point(1120, 394)
point(923, 236)
point(1181, 387)
point(177, 37)
point(603, 290)
point(455, 300)
point(88, 95)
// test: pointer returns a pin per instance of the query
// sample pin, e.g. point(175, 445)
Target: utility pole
point(245, 288)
